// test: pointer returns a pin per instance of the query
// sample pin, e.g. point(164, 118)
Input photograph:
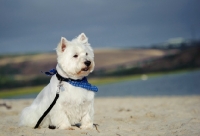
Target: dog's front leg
point(87, 119)
point(59, 119)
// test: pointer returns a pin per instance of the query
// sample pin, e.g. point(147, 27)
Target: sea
point(180, 84)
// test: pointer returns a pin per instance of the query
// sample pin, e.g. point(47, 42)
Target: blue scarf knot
point(83, 83)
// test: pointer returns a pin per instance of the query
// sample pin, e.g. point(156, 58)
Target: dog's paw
point(65, 127)
point(87, 126)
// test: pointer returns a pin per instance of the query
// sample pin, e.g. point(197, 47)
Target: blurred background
point(142, 48)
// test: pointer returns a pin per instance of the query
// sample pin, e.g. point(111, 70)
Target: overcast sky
point(37, 25)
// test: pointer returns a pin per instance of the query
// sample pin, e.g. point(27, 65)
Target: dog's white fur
point(75, 104)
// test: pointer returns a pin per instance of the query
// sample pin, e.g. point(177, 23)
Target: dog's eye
point(75, 56)
point(86, 54)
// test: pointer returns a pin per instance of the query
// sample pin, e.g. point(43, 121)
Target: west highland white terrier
point(76, 96)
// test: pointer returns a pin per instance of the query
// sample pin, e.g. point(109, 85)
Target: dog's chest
point(76, 102)
point(76, 112)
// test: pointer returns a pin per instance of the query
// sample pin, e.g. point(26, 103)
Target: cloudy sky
point(37, 25)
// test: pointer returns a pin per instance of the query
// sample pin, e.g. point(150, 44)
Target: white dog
point(75, 103)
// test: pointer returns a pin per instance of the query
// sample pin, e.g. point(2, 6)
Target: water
point(168, 85)
point(173, 84)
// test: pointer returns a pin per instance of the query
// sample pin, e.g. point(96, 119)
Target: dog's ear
point(83, 38)
point(63, 42)
point(62, 45)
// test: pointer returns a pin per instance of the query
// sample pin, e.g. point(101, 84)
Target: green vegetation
point(115, 79)
point(20, 91)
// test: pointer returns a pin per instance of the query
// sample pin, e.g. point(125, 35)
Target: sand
point(127, 116)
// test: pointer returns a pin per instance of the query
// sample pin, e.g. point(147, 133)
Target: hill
point(32, 64)
point(25, 70)
point(188, 58)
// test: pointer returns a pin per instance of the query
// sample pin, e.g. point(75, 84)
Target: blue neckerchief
point(83, 83)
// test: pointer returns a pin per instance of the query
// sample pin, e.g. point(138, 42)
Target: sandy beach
point(126, 116)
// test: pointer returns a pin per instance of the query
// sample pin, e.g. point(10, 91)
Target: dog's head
point(76, 57)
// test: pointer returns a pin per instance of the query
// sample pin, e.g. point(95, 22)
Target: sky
point(38, 25)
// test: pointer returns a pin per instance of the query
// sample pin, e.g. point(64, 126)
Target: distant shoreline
point(9, 93)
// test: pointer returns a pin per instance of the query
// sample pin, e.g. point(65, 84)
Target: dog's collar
point(60, 78)
point(83, 83)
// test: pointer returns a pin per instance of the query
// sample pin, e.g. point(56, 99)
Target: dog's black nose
point(87, 63)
